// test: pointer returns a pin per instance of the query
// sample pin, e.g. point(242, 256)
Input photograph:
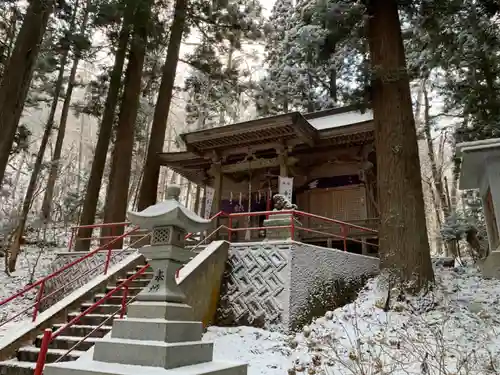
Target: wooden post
point(216, 205)
point(283, 160)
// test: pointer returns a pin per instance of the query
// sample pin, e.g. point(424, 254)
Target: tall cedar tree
point(37, 168)
point(87, 216)
point(81, 43)
point(403, 239)
point(121, 163)
point(149, 186)
point(18, 73)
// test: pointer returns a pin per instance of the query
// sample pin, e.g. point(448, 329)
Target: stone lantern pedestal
point(281, 220)
point(481, 170)
point(159, 332)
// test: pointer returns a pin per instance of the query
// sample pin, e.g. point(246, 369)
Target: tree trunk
point(121, 161)
point(30, 191)
point(436, 172)
point(101, 151)
point(80, 155)
point(18, 176)
point(10, 37)
point(404, 245)
point(49, 192)
point(436, 175)
point(149, 186)
point(18, 73)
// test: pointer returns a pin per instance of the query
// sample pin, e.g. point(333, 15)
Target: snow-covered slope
point(30, 259)
point(453, 330)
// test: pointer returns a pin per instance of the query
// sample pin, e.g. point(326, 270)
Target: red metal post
point(292, 227)
point(344, 234)
point(42, 354)
point(230, 228)
point(38, 300)
point(108, 259)
point(268, 203)
point(124, 301)
point(72, 238)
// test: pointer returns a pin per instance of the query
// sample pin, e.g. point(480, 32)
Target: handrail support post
point(42, 354)
point(292, 227)
point(124, 301)
point(344, 236)
point(38, 300)
point(108, 259)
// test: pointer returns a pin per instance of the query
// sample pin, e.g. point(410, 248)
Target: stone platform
point(155, 338)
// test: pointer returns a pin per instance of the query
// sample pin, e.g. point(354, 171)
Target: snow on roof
point(338, 120)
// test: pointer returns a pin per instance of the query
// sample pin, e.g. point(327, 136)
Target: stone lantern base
point(280, 220)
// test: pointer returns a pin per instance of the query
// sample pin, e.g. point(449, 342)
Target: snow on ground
point(30, 258)
point(452, 331)
point(265, 352)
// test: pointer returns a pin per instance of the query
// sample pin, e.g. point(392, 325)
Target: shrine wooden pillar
point(216, 172)
point(283, 160)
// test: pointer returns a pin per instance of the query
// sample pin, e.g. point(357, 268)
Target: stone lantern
point(159, 332)
point(169, 222)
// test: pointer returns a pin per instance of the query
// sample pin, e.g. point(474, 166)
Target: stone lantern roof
point(169, 213)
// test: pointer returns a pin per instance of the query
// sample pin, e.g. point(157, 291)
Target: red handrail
point(76, 228)
point(220, 213)
point(43, 280)
point(301, 213)
point(49, 336)
point(40, 293)
point(293, 228)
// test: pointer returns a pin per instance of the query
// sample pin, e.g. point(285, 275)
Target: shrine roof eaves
point(281, 127)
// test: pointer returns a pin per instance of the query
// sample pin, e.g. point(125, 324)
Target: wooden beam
point(256, 164)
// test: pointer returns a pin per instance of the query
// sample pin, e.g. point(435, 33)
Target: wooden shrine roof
point(287, 127)
point(291, 129)
point(187, 164)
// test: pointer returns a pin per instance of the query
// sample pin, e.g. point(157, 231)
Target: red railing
point(218, 214)
point(49, 336)
point(102, 240)
point(345, 227)
point(42, 282)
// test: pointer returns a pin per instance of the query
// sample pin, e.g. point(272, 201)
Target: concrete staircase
point(26, 356)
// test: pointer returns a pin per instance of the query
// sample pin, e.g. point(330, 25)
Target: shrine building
point(330, 155)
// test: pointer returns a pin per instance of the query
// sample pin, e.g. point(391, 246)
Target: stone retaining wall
point(284, 284)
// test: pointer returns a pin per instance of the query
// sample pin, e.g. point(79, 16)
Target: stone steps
point(84, 330)
point(15, 367)
point(101, 309)
point(26, 356)
point(144, 275)
point(135, 283)
point(30, 354)
point(103, 368)
point(91, 319)
point(132, 290)
point(67, 342)
point(115, 299)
